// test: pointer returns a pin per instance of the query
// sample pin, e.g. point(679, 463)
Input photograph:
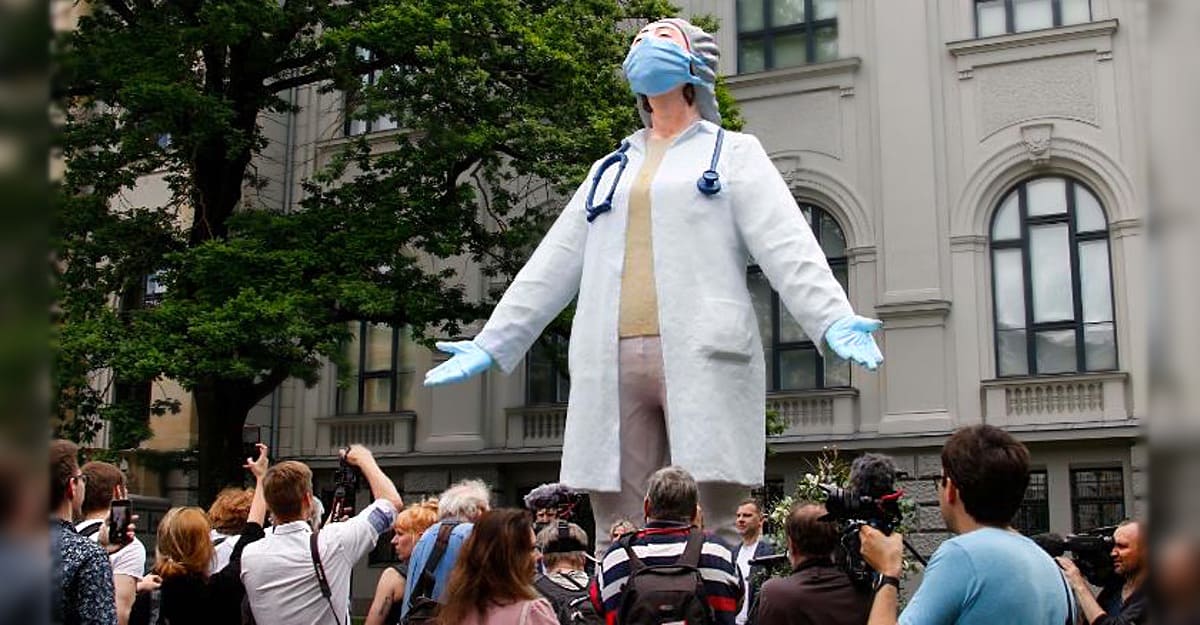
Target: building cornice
point(965, 47)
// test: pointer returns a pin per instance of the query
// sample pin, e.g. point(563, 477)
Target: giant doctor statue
point(665, 358)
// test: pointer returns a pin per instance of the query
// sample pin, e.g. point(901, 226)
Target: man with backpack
point(670, 571)
point(565, 583)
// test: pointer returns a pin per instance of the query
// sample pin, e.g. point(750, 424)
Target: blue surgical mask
point(656, 66)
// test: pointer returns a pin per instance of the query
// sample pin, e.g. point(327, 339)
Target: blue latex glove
point(468, 360)
point(850, 337)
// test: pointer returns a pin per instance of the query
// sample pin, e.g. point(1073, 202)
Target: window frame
point(1075, 238)
point(777, 347)
point(558, 376)
point(768, 33)
point(1076, 500)
point(368, 80)
point(1038, 507)
point(392, 374)
point(1010, 17)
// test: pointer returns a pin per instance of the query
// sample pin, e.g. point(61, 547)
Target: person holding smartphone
point(107, 497)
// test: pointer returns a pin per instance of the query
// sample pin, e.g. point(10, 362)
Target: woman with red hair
point(389, 592)
point(185, 553)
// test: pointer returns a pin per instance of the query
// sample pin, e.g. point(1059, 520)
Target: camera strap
point(426, 581)
point(322, 580)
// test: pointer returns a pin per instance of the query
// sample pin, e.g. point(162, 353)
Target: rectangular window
point(379, 367)
point(545, 367)
point(1097, 498)
point(793, 363)
point(785, 33)
point(356, 125)
point(1033, 517)
point(997, 17)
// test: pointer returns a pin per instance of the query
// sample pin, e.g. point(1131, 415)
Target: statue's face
point(662, 30)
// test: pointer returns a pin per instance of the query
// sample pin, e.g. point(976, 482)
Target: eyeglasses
point(81, 477)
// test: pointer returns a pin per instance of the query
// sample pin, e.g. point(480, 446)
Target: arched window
point(1051, 281)
point(792, 359)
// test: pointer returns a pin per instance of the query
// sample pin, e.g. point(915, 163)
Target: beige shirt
point(639, 299)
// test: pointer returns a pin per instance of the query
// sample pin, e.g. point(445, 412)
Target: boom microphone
point(873, 475)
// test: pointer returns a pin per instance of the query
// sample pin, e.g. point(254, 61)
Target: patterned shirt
point(81, 585)
point(663, 543)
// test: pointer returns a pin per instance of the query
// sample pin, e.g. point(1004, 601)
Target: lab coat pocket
point(724, 330)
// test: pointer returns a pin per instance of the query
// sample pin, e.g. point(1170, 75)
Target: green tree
point(503, 103)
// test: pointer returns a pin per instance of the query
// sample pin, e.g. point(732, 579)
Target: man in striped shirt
point(671, 508)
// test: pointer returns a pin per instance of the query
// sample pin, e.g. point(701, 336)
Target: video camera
point(851, 510)
point(345, 488)
point(1091, 551)
point(872, 499)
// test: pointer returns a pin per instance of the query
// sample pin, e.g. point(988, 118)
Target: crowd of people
point(264, 555)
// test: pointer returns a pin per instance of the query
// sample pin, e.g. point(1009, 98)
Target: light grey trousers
point(645, 448)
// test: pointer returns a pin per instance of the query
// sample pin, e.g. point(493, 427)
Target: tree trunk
point(221, 414)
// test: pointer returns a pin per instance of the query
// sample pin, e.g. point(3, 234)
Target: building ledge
point(847, 65)
point(965, 47)
point(1056, 399)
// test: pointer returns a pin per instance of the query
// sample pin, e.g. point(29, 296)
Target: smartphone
point(119, 516)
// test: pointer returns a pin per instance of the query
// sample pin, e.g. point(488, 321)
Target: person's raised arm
point(381, 485)
point(258, 467)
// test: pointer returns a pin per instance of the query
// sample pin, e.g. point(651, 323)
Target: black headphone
point(564, 542)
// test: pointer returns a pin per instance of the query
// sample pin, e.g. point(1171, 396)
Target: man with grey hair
point(672, 512)
point(458, 507)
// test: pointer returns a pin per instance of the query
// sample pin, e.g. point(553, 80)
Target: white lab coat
point(712, 352)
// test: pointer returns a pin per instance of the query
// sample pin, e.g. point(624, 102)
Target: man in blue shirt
point(988, 573)
point(463, 504)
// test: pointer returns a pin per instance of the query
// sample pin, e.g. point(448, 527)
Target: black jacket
point(215, 600)
point(1133, 610)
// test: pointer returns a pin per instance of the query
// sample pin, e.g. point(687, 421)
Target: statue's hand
point(468, 360)
point(850, 337)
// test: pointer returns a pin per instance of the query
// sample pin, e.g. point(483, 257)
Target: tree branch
point(264, 386)
point(120, 8)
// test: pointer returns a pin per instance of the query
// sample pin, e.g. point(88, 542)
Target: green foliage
point(504, 103)
point(829, 468)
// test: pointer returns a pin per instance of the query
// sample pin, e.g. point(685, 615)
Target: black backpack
point(665, 593)
point(423, 607)
point(571, 606)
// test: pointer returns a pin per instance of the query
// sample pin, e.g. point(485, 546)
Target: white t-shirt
point(278, 573)
point(743, 563)
point(129, 560)
point(222, 551)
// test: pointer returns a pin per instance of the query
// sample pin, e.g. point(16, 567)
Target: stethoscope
point(708, 184)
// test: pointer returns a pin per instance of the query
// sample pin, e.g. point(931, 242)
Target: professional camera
point(345, 488)
point(1091, 551)
point(872, 499)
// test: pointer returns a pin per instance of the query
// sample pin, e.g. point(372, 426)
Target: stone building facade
point(976, 172)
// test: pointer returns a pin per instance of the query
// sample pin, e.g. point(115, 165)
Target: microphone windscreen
point(873, 475)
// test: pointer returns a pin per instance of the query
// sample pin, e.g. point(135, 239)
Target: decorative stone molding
point(903, 310)
point(966, 74)
point(1071, 156)
point(837, 73)
point(829, 191)
point(968, 47)
point(1104, 55)
point(846, 92)
point(1036, 138)
point(974, 243)
point(1056, 399)
point(825, 411)
point(382, 433)
point(536, 426)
